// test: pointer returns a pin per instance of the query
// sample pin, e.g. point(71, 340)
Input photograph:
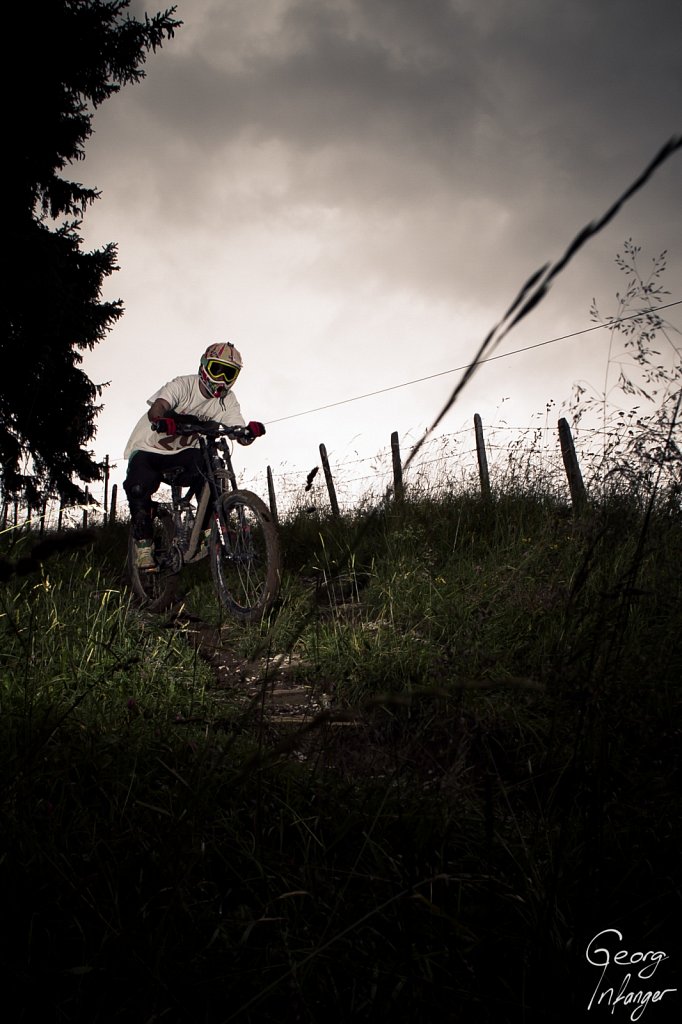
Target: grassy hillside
point(493, 779)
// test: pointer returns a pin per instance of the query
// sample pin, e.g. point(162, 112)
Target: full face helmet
point(219, 368)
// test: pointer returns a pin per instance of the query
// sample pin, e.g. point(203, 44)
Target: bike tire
point(155, 591)
point(246, 571)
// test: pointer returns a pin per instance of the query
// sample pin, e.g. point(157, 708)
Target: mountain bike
point(243, 546)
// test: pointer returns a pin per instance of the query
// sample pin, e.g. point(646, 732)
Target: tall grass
point(508, 785)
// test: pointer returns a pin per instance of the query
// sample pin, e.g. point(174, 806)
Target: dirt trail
point(300, 719)
point(268, 682)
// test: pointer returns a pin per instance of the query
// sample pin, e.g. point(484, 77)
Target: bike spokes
point(245, 562)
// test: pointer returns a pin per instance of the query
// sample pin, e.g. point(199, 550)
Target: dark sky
point(353, 190)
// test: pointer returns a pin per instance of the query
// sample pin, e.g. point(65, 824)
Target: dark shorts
point(144, 478)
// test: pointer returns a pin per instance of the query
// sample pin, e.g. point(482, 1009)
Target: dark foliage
point(55, 545)
point(70, 56)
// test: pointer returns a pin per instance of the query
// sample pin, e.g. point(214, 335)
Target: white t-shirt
point(185, 398)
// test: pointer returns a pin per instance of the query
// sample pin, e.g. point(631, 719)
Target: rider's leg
point(142, 480)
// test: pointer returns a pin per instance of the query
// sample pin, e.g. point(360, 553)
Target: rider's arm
point(159, 408)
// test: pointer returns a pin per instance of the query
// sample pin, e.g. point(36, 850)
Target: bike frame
point(215, 475)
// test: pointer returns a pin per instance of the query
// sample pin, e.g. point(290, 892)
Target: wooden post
point(112, 513)
point(106, 489)
point(43, 513)
point(398, 489)
point(330, 482)
point(85, 508)
point(59, 516)
point(482, 457)
point(271, 494)
point(575, 477)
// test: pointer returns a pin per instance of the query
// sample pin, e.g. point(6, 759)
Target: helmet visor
point(222, 372)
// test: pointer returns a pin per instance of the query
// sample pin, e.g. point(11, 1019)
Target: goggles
point(220, 371)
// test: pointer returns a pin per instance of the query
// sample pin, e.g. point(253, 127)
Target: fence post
point(482, 457)
point(398, 488)
point(271, 494)
point(43, 512)
point(112, 513)
point(575, 477)
point(330, 482)
point(59, 516)
point(106, 490)
point(85, 508)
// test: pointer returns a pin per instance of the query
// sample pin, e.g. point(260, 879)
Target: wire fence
point(505, 458)
point(446, 463)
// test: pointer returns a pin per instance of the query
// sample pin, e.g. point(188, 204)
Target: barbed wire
point(441, 373)
point(444, 455)
point(487, 359)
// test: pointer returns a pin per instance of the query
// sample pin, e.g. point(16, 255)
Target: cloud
point(355, 190)
point(495, 121)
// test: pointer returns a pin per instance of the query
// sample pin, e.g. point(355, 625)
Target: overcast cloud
point(353, 190)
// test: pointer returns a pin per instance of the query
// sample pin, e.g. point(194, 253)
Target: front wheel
point(156, 590)
point(245, 562)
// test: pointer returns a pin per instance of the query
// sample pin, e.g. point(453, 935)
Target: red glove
point(256, 428)
point(164, 424)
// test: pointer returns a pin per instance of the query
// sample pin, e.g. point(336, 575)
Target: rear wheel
point(246, 566)
point(156, 590)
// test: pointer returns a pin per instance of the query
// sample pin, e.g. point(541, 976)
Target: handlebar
point(210, 428)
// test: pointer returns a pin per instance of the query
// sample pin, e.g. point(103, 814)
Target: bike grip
point(165, 425)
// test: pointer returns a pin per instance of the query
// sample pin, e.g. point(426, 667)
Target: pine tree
point(70, 56)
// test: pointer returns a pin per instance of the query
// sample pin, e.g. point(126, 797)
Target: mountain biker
point(206, 395)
